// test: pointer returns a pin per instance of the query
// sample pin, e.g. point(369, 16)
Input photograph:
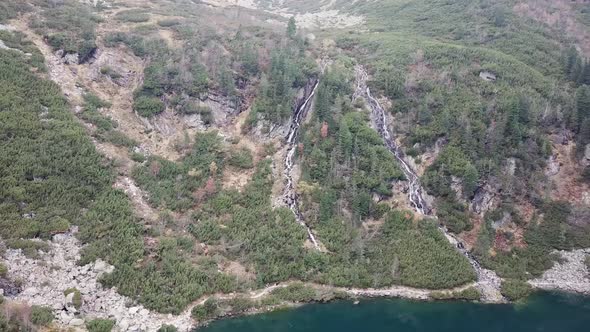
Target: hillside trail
point(487, 281)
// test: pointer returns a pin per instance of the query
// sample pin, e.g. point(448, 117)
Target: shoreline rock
point(570, 275)
point(46, 279)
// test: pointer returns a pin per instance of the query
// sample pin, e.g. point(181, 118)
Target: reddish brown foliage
point(324, 130)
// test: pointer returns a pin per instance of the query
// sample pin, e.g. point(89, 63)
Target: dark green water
point(543, 312)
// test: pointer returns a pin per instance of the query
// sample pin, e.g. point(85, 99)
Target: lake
point(542, 312)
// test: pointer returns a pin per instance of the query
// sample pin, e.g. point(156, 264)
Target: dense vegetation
point(52, 178)
point(344, 156)
point(426, 58)
point(69, 26)
point(288, 72)
point(175, 185)
point(20, 317)
point(49, 168)
point(10, 9)
point(100, 325)
point(515, 290)
point(489, 135)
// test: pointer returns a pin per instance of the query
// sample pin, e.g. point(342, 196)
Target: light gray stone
point(76, 322)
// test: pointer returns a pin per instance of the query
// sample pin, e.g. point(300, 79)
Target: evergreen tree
point(513, 133)
point(523, 114)
point(583, 103)
point(570, 60)
point(291, 28)
point(584, 136)
point(575, 74)
point(345, 139)
point(585, 76)
point(322, 103)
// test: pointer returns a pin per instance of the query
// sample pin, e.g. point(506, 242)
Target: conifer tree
point(583, 103)
point(291, 28)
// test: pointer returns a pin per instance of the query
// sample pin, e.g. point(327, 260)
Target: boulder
point(76, 322)
point(124, 324)
point(9, 288)
point(31, 291)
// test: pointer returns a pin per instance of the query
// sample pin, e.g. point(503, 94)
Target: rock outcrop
point(46, 279)
point(569, 274)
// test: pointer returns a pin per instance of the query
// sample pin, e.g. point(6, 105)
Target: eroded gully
point(487, 281)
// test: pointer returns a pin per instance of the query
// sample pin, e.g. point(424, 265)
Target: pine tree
point(585, 76)
point(322, 103)
point(513, 133)
point(291, 28)
point(584, 135)
point(523, 114)
point(345, 139)
point(570, 60)
point(583, 103)
point(576, 71)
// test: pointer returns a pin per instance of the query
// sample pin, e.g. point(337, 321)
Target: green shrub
point(30, 248)
point(110, 72)
point(241, 158)
point(117, 138)
point(167, 328)
point(90, 113)
point(69, 27)
point(41, 316)
point(67, 173)
point(206, 311)
point(168, 22)
point(11, 9)
point(100, 325)
point(93, 101)
point(148, 106)
point(515, 290)
point(240, 304)
point(3, 270)
point(77, 298)
point(468, 294)
point(138, 157)
point(297, 292)
point(133, 16)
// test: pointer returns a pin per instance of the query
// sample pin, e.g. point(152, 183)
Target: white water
point(488, 281)
point(290, 196)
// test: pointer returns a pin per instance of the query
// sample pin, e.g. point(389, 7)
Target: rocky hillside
point(168, 162)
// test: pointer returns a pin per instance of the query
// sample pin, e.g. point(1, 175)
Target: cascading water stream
point(488, 281)
point(290, 196)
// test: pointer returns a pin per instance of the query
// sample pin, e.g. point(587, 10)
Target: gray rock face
point(552, 166)
point(484, 199)
point(67, 58)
